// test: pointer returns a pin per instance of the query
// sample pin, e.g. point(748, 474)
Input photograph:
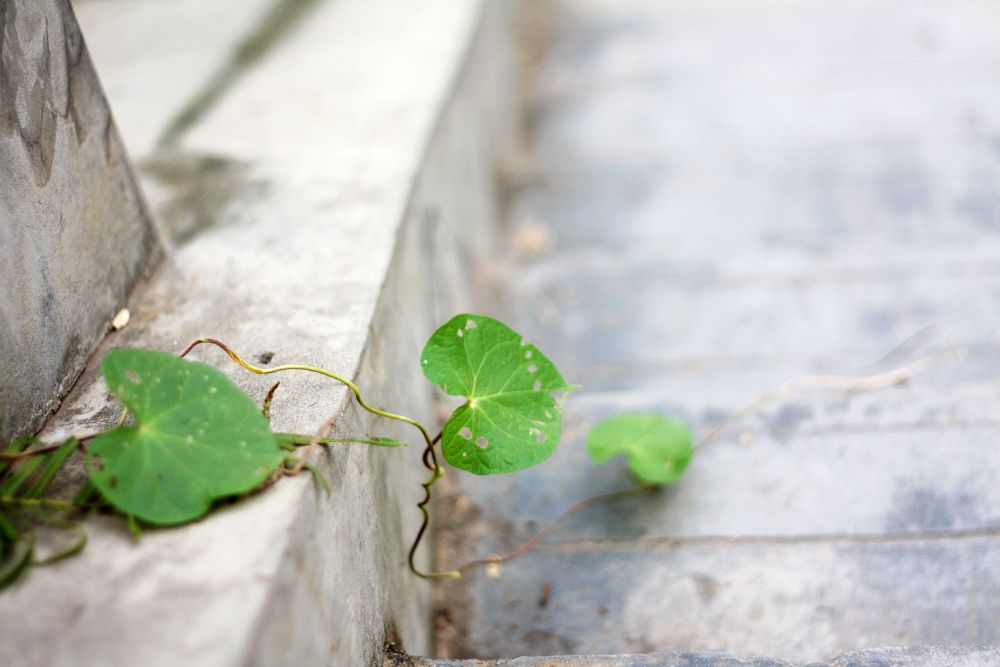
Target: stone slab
point(803, 601)
point(599, 41)
point(633, 323)
point(839, 209)
point(156, 57)
point(768, 76)
point(884, 657)
point(849, 483)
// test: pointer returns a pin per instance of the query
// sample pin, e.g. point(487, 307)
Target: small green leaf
point(658, 449)
point(510, 419)
point(197, 438)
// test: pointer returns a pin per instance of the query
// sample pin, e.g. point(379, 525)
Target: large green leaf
point(658, 449)
point(197, 438)
point(510, 419)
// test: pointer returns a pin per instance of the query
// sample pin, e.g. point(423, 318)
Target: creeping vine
point(181, 417)
point(429, 456)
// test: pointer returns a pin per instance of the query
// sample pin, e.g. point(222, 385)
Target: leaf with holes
point(197, 438)
point(510, 419)
point(658, 449)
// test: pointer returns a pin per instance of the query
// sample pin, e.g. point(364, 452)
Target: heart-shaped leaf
point(197, 438)
point(510, 419)
point(658, 449)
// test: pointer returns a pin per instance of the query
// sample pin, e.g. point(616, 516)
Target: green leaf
point(658, 449)
point(197, 438)
point(510, 419)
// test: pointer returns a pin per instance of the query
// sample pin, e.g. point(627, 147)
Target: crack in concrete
point(276, 24)
point(768, 540)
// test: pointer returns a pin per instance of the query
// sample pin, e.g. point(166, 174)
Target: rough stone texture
point(722, 197)
point(74, 231)
point(359, 209)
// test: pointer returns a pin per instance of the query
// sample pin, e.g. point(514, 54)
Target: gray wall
point(74, 232)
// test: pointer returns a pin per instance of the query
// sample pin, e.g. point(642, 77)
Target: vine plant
point(188, 437)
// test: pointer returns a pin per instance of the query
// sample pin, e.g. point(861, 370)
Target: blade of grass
point(17, 446)
point(18, 559)
point(53, 464)
point(16, 479)
point(72, 550)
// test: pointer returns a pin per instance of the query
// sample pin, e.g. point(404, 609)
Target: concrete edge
point(287, 576)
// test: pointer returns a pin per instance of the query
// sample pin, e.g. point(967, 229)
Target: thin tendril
point(429, 452)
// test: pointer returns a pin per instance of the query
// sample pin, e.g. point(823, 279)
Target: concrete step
point(930, 656)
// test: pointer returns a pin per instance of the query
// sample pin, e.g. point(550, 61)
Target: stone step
point(930, 656)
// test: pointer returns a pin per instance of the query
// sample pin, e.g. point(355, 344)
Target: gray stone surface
point(74, 231)
point(357, 212)
point(177, 46)
point(798, 599)
point(722, 197)
point(886, 657)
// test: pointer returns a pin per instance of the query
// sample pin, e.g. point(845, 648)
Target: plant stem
point(425, 523)
point(429, 456)
point(841, 382)
point(37, 503)
point(28, 454)
point(311, 369)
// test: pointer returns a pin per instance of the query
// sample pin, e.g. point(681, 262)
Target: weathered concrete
point(722, 197)
point(74, 231)
point(180, 45)
point(360, 201)
point(804, 596)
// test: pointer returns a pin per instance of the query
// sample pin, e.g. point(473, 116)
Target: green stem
point(37, 503)
point(429, 452)
point(72, 550)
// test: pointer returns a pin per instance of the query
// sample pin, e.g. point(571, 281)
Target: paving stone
point(803, 601)
point(972, 656)
point(627, 321)
point(836, 207)
point(596, 41)
point(767, 76)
